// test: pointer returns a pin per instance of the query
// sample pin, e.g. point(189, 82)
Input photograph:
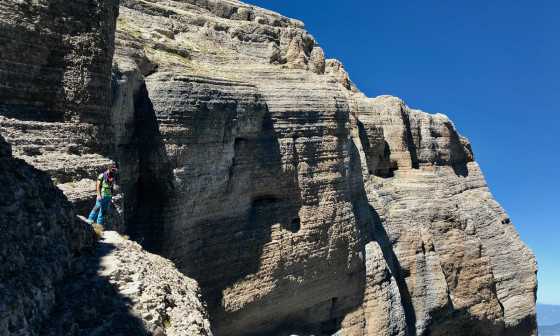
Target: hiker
point(105, 185)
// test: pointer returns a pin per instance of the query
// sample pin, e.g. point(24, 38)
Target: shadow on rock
point(370, 228)
point(146, 165)
point(88, 304)
point(49, 283)
point(274, 198)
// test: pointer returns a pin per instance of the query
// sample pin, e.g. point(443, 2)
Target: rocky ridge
point(57, 280)
point(119, 289)
point(298, 204)
point(54, 106)
point(55, 92)
point(39, 235)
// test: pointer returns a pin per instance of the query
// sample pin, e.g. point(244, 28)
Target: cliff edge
point(299, 205)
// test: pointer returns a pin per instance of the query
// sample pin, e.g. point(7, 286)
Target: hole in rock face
point(295, 225)
point(386, 173)
point(264, 201)
point(268, 210)
point(240, 141)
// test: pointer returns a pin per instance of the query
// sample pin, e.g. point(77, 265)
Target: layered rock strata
point(55, 89)
point(55, 68)
point(298, 204)
point(39, 235)
point(56, 279)
point(54, 63)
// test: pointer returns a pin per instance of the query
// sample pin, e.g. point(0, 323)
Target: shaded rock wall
point(298, 204)
point(39, 235)
point(54, 62)
point(55, 67)
point(55, 89)
point(55, 277)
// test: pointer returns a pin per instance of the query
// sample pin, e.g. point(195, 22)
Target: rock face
point(55, 66)
point(54, 59)
point(55, 70)
point(39, 234)
point(167, 301)
point(119, 289)
point(298, 204)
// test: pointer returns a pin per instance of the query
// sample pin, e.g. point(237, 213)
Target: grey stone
point(258, 169)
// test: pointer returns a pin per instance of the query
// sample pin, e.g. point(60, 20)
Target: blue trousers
point(99, 209)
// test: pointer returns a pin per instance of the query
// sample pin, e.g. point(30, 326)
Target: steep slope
point(55, 92)
point(56, 279)
point(119, 289)
point(55, 65)
point(39, 234)
point(298, 204)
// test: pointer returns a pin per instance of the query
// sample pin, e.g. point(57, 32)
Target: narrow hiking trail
point(131, 291)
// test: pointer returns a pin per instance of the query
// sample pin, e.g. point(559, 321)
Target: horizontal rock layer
point(56, 279)
point(54, 63)
point(39, 235)
point(298, 204)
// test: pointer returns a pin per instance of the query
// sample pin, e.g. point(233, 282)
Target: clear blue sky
point(491, 66)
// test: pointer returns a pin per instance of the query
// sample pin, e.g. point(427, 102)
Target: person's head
point(112, 169)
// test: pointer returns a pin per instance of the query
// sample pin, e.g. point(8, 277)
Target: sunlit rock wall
point(300, 205)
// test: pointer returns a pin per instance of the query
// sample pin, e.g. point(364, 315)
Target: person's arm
point(98, 188)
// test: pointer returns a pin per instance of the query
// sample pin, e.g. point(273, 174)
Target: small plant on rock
point(98, 229)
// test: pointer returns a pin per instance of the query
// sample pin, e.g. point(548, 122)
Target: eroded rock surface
point(54, 59)
point(119, 289)
point(55, 89)
point(56, 279)
point(298, 204)
point(55, 66)
point(39, 235)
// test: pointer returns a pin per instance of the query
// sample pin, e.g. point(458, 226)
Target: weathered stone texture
point(55, 89)
point(56, 279)
point(119, 289)
point(299, 205)
point(39, 234)
point(55, 68)
point(54, 59)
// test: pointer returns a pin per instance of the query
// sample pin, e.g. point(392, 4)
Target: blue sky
point(491, 66)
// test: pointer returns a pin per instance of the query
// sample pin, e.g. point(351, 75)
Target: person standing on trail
point(105, 185)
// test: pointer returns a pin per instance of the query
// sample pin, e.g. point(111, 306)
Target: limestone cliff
point(39, 233)
point(55, 278)
point(298, 204)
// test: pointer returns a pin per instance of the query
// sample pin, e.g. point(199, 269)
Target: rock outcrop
point(39, 235)
point(55, 65)
point(55, 279)
point(54, 59)
point(55, 88)
point(119, 289)
point(298, 204)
